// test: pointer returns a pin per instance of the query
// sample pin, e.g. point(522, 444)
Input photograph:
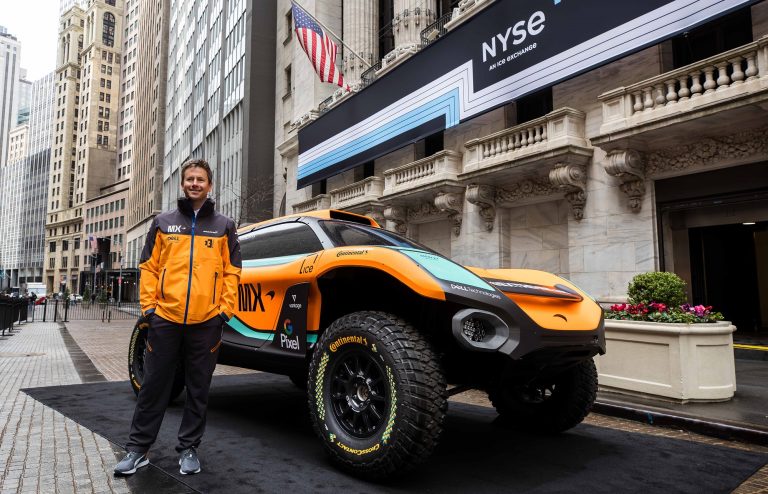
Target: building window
point(108, 35)
point(52, 247)
point(288, 82)
point(64, 245)
point(52, 262)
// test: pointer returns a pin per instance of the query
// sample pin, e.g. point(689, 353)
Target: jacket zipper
point(215, 279)
point(191, 267)
point(162, 285)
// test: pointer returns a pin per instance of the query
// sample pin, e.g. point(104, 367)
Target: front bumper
point(483, 331)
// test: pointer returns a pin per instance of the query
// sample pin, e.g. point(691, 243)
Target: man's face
point(196, 185)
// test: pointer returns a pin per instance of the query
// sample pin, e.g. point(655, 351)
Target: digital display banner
point(510, 49)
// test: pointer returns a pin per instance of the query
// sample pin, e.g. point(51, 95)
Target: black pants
point(198, 346)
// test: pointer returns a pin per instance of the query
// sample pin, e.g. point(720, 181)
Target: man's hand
point(145, 318)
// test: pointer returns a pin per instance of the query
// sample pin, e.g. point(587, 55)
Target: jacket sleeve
point(232, 267)
point(150, 269)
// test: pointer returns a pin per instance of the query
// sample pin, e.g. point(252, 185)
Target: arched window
point(108, 36)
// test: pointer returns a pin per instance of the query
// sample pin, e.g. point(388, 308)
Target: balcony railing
point(321, 201)
point(367, 77)
point(714, 79)
point(560, 128)
point(369, 189)
point(444, 165)
point(435, 30)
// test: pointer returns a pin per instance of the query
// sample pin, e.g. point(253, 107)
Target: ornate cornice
point(627, 165)
point(524, 189)
point(573, 180)
point(483, 196)
point(708, 151)
point(453, 204)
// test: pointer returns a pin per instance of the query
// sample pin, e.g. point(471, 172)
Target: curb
point(692, 424)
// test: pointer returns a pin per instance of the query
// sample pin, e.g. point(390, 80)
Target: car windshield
point(344, 234)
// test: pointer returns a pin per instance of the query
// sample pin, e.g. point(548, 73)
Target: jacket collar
point(185, 206)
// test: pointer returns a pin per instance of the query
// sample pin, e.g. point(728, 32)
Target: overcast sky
point(35, 24)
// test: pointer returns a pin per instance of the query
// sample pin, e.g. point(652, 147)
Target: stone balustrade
point(562, 127)
point(321, 201)
point(441, 166)
point(719, 78)
point(369, 189)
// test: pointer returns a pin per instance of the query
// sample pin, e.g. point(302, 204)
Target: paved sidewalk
point(40, 449)
point(107, 346)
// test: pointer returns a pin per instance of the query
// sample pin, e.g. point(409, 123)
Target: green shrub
point(661, 287)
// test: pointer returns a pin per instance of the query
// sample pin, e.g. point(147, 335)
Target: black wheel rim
point(535, 395)
point(359, 394)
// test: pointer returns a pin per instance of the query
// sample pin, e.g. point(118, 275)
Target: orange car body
point(293, 286)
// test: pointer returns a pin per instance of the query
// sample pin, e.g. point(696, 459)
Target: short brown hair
point(199, 163)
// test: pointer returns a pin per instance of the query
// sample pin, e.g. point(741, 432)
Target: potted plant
point(659, 346)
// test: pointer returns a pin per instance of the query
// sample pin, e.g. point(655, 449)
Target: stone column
point(411, 16)
point(361, 23)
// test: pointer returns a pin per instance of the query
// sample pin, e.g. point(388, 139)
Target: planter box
point(678, 362)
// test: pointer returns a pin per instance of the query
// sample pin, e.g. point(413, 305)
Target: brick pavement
point(107, 346)
point(40, 449)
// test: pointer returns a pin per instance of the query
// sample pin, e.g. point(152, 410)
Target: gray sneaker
point(189, 462)
point(130, 463)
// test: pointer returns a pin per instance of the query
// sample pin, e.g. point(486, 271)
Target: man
point(190, 270)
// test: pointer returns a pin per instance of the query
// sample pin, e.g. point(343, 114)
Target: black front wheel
point(377, 394)
point(137, 351)
point(553, 406)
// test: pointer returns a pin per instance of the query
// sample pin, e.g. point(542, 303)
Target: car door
point(272, 295)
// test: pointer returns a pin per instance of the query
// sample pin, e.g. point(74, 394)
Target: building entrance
point(726, 266)
point(713, 233)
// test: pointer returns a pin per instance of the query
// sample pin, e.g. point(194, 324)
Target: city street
point(44, 451)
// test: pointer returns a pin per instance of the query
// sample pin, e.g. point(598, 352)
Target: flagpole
point(334, 34)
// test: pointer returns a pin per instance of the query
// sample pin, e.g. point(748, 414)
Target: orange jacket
point(190, 265)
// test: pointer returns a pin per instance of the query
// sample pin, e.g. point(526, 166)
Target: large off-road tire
point(136, 353)
point(551, 407)
point(377, 394)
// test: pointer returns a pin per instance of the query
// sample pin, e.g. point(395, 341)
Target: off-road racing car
point(374, 326)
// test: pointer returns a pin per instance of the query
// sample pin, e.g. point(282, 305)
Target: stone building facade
point(84, 150)
point(640, 164)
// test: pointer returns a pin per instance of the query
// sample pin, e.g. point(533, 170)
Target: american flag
point(318, 46)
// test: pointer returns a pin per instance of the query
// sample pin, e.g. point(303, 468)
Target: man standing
point(190, 270)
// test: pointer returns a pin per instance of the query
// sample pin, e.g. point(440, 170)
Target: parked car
point(40, 300)
point(374, 326)
point(76, 298)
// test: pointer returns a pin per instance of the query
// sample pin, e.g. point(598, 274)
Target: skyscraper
point(10, 73)
point(147, 163)
point(208, 115)
point(26, 175)
point(85, 141)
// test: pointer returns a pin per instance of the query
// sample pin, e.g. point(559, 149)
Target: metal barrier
point(12, 311)
point(66, 310)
